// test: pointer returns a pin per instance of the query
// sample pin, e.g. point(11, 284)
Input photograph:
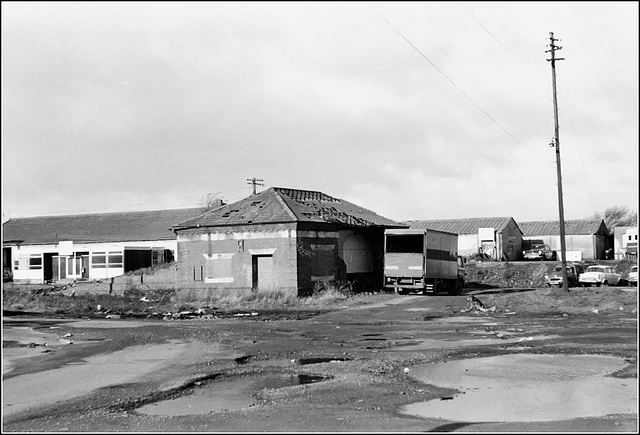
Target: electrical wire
point(445, 76)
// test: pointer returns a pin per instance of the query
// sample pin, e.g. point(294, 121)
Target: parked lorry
point(422, 261)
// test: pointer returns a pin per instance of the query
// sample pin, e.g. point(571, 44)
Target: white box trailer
point(421, 260)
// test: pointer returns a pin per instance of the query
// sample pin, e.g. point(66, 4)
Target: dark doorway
point(135, 259)
point(47, 267)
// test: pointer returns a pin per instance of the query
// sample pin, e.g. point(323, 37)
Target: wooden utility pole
point(255, 182)
point(556, 142)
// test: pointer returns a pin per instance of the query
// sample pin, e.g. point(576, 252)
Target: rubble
point(477, 305)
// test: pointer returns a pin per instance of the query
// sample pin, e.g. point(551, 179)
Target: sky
point(415, 110)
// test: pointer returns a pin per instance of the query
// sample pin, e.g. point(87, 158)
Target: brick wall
point(236, 248)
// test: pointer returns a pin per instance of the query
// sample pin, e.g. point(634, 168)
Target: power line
point(445, 76)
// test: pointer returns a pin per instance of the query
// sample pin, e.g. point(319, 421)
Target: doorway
point(262, 272)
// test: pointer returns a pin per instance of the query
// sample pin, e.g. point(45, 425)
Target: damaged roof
point(579, 227)
point(462, 226)
point(96, 228)
point(283, 205)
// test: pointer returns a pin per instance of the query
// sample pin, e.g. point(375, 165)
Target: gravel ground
point(345, 370)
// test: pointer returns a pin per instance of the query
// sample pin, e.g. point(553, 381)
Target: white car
point(633, 276)
point(599, 275)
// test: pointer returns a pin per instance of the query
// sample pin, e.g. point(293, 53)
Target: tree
point(617, 217)
point(212, 201)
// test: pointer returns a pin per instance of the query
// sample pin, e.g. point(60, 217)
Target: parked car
point(599, 275)
point(573, 272)
point(540, 252)
point(632, 278)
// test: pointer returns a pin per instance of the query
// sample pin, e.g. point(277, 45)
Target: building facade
point(291, 240)
point(585, 239)
point(88, 247)
point(500, 238)
point(625, 242)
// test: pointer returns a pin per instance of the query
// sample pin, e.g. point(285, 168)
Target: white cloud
point(160, 103)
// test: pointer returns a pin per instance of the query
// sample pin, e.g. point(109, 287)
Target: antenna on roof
point(255, 182)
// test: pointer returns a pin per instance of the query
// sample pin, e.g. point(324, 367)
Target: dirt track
point(348, 370)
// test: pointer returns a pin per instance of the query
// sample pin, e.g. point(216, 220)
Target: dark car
point(540, 252)
point(573, 272)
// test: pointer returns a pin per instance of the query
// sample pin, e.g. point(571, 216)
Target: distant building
point(585, 239)
point(498, 237)
point(287, 239)
point(89, 246)
point(625, 242)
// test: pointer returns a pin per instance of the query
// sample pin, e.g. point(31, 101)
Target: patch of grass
point(326, 296)
point(575, 302)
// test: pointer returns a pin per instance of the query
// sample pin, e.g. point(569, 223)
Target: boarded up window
point(198, 272)
point(218, 268)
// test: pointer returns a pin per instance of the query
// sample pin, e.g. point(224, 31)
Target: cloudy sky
point(416, 110)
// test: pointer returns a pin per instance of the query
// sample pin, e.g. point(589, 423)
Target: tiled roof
point(571, 227)
point(282, 205)
point(461, 226)
point(99, 227)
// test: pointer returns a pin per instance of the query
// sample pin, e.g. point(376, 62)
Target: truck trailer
point(421, 260)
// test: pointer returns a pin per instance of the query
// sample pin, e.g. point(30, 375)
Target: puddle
point(523, 387)
point(225, 395)
point(452, 344)
point(272, 363)
point(318, 360)
point(463, 319)
point(42, 388)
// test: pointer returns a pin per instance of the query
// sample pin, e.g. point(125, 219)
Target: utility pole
point(255, 182)
point(556, 142)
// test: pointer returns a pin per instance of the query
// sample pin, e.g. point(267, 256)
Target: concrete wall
point(222, 258)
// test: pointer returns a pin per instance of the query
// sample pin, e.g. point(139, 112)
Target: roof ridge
point(281, 200)
point(103, 213)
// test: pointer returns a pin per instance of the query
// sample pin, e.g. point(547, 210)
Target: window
point(412, 243)
point(101, 260)
point(115, 259)
point(161, 255)
point(35, 262)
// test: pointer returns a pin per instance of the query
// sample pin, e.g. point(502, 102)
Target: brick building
point(286, 239)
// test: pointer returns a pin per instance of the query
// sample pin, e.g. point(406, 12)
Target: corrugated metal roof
point(282, 205)
point(461, 226)
point(98, 227)
point(571, 227)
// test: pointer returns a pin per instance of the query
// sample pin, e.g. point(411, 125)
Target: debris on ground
point(477, 305)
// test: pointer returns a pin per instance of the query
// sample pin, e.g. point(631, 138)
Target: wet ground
point(401, 363)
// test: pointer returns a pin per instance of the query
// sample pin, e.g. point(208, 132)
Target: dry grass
point(577, 301)
point(542, 300)
point(165, 300)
